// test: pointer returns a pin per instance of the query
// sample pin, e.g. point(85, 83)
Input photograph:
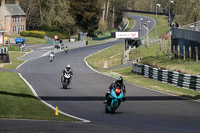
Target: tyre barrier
point(172, 77)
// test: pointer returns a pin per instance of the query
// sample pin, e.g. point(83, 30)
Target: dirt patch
point(114, 55)
point(158, 87)
point(114, 73)
point(4, 64)
point(105, 64)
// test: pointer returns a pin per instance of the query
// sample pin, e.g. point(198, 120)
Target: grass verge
point(17, 101)
point(130, 25)
point(107, 58)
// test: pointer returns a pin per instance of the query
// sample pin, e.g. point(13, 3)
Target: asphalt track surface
point(144, 111)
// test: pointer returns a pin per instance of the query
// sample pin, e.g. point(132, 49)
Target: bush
point(37, 34)
point(46, 27)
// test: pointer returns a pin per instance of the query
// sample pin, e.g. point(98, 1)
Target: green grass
point(33, 40)
point(11, 47)
point(107, 58)
point(12, 36)
point(184, 66)
point(60, 35)
point(28, 50)
point(17, 101)
point(131, 24)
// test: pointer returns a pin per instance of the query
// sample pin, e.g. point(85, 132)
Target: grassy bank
point(149, 58)
point(107, 58)
point(17, 101)
point(130, 25)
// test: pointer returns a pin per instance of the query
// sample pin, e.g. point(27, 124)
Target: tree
point(86, 14)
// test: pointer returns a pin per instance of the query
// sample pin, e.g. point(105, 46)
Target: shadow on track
point(99, 98)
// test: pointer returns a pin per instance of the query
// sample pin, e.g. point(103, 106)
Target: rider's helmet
point(68, 67)
point(119, 80)
point(52, 51)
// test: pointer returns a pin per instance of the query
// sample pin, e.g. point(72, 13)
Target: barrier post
point(178, 51)
point(197, 54)
point(174, 51)
point(183, 52)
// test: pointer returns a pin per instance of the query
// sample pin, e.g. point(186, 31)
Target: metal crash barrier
point(178, 79)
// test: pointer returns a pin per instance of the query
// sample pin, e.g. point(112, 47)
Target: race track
point(145, 110)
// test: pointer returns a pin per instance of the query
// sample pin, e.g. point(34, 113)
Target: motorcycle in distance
point(51, 57)
point(66, 82)
point(115, 98)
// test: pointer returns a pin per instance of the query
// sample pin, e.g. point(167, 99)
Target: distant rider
point(66, 49)
point(118, 82)
point(52, 54)
point(67, 70)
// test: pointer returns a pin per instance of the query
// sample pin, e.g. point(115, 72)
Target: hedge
point(37, 34)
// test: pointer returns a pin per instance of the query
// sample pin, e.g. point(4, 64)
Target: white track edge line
point(49, 105)
point(22, 59)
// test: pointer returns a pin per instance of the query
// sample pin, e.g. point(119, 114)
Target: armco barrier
point(166, 76)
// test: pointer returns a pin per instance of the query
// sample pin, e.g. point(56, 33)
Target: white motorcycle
point(66, 80)
point(51, 57)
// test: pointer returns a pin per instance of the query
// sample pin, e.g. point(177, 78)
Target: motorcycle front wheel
point(113, 108)
point(106, 109)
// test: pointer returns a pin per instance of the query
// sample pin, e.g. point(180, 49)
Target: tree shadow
point(102, 98)
point(197, 97)
point(17, 94)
